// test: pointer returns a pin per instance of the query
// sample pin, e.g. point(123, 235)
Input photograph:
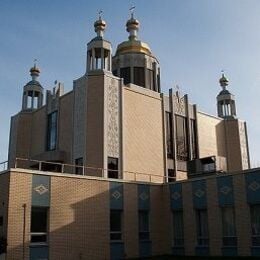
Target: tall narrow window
point(125, 74)
point(193, 139)
point(139, 76)
point(169, 134)
point(115, 225)
point(112, 166)
point(255, 224)
point(181, 138)
point(79, 166)
point(144, 230)
point(202, 227)
point(178, 234)
point(229, 227)
point(52, 131)
point(39, 225)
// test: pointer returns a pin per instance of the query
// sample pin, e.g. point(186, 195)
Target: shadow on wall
point(79, 228)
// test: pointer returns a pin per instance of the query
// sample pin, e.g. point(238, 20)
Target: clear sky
point(193, 40)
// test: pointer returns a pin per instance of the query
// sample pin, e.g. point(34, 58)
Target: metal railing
point(3, 166)
point(89, 171)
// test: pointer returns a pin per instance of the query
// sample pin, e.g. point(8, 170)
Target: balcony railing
point(63, 168)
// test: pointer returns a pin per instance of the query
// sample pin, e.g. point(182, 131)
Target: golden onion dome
point(34, 70)
point(133, 46)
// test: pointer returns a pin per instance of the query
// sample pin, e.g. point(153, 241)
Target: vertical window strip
point(255, 224)
point(229, 226)
point(144, 225)
point(178, 231)
point(116, 225)
point(202, 227)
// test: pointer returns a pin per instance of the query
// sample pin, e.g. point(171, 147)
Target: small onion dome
point(132, 24)
point(100, 26)
point(223, 81)
point(35, 71)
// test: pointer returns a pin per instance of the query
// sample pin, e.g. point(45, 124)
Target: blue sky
point(193, 40)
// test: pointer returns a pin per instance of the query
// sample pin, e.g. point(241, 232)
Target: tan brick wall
point(242, 211)
point(65, 128)
point(79, 214)
point(131, 220)
point(211, 136)
point(190, 237)
point(95, 123)
point(142, 132)
point(233, 145)
point(20, 194)
point(38, 131)
point(158, 222)
point(214, 218)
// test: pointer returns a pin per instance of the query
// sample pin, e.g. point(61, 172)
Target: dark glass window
point(116, 225)
point(1, 221)
point(126, 75)
point(52, 131)
point(112, 166)
point(144, 230)
point(229, 226)
point(202, 227)
point(169, 134)
point(171, 175)
point(178, 233)
point(193, 138)
point(139, 76)
point(39, 220)
point(181, 138)
point(255, 224)
point(79, 164)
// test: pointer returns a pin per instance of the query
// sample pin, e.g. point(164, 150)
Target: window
point(115, 225)
point(112, 166)
point(1, 221)
point(181, 138)
point(144, 233)
point(169, 134)
point(79, 164)
point(114, 72)
point(178, 235)
point(125, 74)
point(255, 224)
point(171, 175)
point(139, 76)
point(39, 220)
point(202, 227)
point(52, 131)
point(229, 227)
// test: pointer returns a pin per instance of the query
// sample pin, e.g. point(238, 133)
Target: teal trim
point(41, 190)
point(225, 191)
point(199, 194)
point(145, 248)
point(253, 187)
point(117, 250)
point(39, 252)
point(229, 251)
point(116, 195)
point(202, 251)
point(143, 197)
point(176, 196)
point(178, 251)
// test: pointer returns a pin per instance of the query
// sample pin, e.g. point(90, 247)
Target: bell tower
point(32, 92)
point(99, 49)
point(225, 100)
